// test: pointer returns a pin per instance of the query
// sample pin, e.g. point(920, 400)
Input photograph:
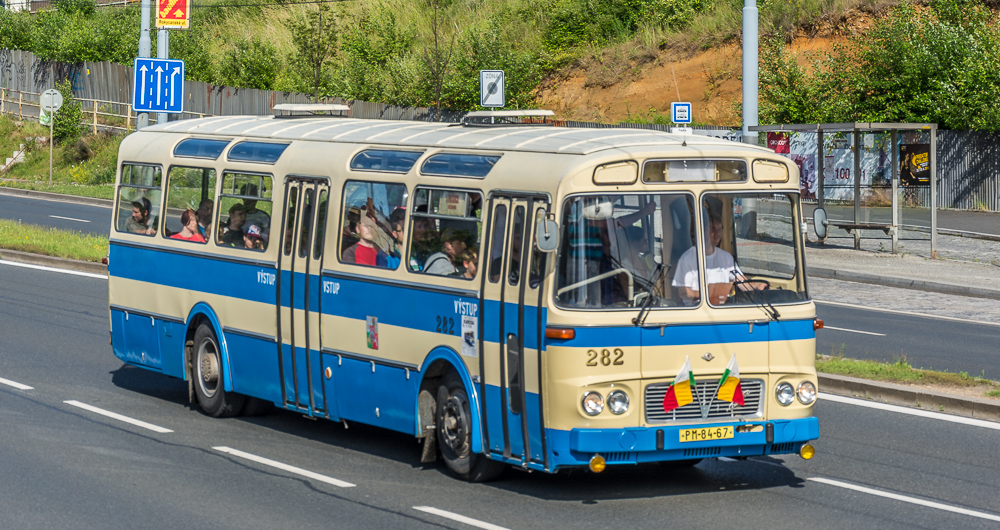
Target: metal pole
point(750, 71)
point(821, 163)
point(895, 191)
point(162, 52)
point(933, 154)
point(856, 138)
point(142, 119)
point(52, 119)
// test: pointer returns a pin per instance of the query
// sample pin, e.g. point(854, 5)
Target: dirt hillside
point(613, 90)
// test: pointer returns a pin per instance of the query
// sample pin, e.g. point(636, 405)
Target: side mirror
point(547, 236)
point(820, 223)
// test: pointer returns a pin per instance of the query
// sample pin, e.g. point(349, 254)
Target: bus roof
point(535, 139)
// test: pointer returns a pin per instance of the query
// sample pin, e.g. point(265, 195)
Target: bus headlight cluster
point(784, 393)
point(593, 403)
point(806, 392)
point(618, 402)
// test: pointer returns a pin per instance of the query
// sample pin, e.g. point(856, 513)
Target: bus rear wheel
point(208, 379)
point(454, 434)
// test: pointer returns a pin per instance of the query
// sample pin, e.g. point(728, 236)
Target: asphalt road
point(924, 341)
point(69, 466)
point(95, 220)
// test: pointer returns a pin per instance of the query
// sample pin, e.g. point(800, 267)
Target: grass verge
point(98, 191)
point(15, 235)
point(900, 371)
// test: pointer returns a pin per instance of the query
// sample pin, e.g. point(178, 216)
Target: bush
point(66, 128)
point(252, 63)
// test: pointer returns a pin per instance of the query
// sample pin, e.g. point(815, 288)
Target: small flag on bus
point(679, 393)
point(729, 386)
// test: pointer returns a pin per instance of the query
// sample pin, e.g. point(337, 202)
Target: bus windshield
point(632, 250)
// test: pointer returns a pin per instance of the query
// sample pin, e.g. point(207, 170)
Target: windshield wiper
point(765, 305)
point(640, 319)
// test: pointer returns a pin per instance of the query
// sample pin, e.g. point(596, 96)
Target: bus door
point(513, 327)
point(301, 262)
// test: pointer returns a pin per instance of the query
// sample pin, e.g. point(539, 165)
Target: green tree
point(437, 55)
point(486, 48)
point(67, 128)
point(252, 63)
point(315, 38)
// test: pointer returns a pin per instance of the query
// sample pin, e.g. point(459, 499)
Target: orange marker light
point(818, 324)
point(560, 333)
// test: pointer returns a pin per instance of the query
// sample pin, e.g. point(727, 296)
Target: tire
point(209, 385)
point(454, 434)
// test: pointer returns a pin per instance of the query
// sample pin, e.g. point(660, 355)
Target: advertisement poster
point(470, 336)
point(838, 162)
point(915, 164)
point(372, 332)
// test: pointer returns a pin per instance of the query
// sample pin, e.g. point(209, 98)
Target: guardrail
point(97, 114)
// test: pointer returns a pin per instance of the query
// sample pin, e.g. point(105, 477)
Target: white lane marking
point(460, 518)
point(15, 384)
point(69, 218)
point(909, 313)
point(904, 498)
point(913, 412)
point(53, 269)
point(119, 417)
point(284, 467)
point(854, 331)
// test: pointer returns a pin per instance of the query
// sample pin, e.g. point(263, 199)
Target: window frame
point(122, 185)
point(413, 215)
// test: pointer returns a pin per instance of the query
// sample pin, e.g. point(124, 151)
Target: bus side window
point(244, 211)
point(139, 199)
point(368, 232)
point(445, 232)
point(496, 243)
point(189, 188)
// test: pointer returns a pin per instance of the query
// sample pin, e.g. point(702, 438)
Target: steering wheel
point(761, 281)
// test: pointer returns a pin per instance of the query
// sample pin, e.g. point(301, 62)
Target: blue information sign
point(680, 112)
point(158, 85)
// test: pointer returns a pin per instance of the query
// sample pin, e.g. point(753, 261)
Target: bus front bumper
point(661, 444)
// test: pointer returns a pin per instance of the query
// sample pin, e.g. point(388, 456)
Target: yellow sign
point(173, 14)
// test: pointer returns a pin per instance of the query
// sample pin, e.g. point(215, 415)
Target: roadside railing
point(98, 115)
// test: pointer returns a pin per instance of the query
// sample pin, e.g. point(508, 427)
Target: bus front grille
point(705, 393)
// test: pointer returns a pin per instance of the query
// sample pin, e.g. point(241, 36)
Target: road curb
point(904, 283)
point(58, 263)
point(58, 197)
point(907, 396)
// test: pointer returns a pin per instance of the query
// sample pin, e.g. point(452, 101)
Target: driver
point(720, 268)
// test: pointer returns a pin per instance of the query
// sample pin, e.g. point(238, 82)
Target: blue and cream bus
point(527, 295)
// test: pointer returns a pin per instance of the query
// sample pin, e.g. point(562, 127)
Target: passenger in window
point(452, 245)
point(232, 232)
point(254, 238)
point(189, 232)
point(469, 259)
point(255, 216)
point(138, 223)
point(397, 222)
point(365, 251)
point(425, 241)
point(205, 217)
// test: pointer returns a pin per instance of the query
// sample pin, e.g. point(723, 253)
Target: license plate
point(706, 433)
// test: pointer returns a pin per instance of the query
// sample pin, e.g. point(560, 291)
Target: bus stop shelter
point(855, 226)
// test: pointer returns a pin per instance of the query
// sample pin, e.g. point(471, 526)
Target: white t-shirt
point(719, 268)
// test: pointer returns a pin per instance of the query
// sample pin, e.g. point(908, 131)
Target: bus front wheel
point(454, 433)
point(208, 381)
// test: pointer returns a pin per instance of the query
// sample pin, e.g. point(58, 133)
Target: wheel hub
point(455, 425)
point(208, 369)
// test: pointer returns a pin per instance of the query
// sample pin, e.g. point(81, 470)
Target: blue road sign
point(158, 85)
point(680, 112)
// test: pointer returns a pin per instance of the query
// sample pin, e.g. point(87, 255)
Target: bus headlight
point(618, 402)
point(593, 403)
point(785, 393)
point(806, 392)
